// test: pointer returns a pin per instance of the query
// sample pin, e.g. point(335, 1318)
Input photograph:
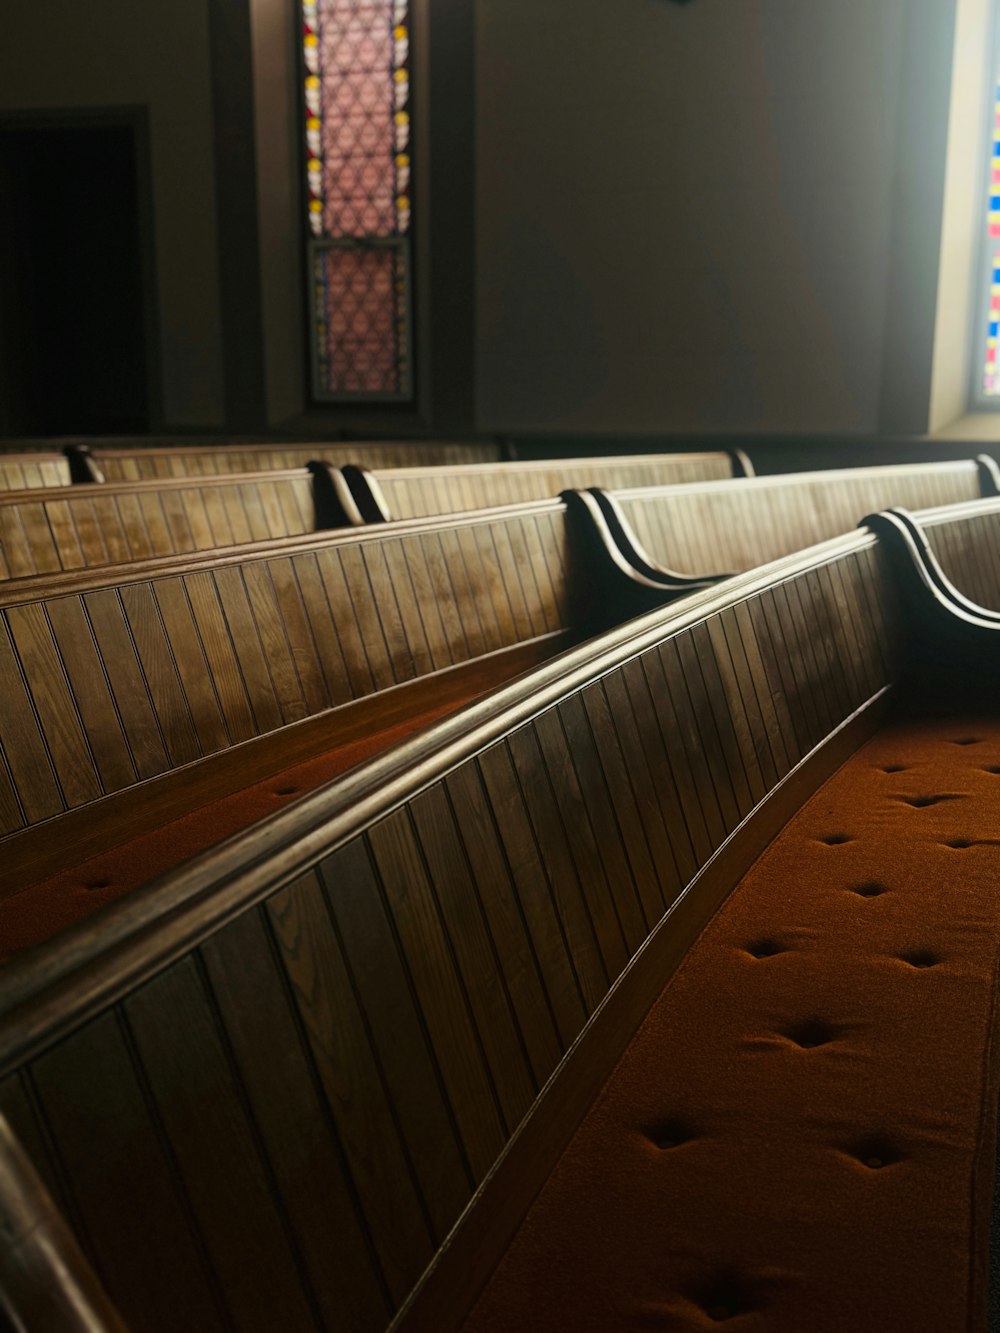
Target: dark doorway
point(73, 345)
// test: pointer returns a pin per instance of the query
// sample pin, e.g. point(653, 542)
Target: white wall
point(120, 53)
point(687, 215)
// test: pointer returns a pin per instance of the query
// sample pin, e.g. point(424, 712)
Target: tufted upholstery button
point(97, 884)
point(871, 889)
point(894, 768)
point(920, 802)
point(967, 740)
point(959, 842)
point(835, 839)
point(813, 1032)
point(876, 1152)
point(920, 958)
point(992, 768)
point(285, 791)
point(726, 1296)
point(766, 948)
point(671, 1134)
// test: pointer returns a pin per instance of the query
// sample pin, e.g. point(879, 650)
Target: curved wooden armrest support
point(369, 500)
point(742, 466)
point(989, 474)
point(936, 574)
point(45, 1282)
point(638, 559)
point(951, 638)
point(333, 503)
point(83, 466)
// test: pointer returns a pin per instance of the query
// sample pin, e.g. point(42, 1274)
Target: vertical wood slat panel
point(294, 1118)
point(752, 524)
point(350, 1076)
point(219, 460)
point(135, 1214)
point(217, 1149)
point(442, 491)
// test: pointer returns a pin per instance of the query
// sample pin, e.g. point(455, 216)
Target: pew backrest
point(20, 472)
point(111, 681)
point(414, 492)
point(122, 464)
point(75, 527)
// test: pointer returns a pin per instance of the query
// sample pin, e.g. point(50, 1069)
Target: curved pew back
point(725, 526)
point(117, 464)
point(113, 682)
point(298, 1059)
point(413, 492)
point(76, 527)
point(968, 549)
point(20, 472)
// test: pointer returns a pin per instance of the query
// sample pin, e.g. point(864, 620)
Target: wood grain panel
point(411, 493)
point(734, 525)
point(219, 459)
point(26, 471)
point(75, 527)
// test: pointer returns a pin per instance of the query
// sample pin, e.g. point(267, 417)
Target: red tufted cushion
point(800, 1137)
point(38, 911)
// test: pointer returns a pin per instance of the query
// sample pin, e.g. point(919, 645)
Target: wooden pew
point(404, 492)
point(685, 537)
point(193, 678)
point(316, 1077)
point(20, 472)
point(119, 463)
point(234, 665)
point(74, 527)
point(702, 531)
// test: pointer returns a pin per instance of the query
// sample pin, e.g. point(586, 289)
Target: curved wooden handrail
point(369, 503)
point(914, 540)
point(45, 1282)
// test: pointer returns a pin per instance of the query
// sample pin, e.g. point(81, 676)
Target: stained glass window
point(990, 384)
point(357, 122)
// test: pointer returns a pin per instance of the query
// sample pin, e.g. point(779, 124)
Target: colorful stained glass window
point(990, 383)
point(357, 120)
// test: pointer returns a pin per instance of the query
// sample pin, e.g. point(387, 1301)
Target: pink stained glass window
point(357, 121)
point(360, 304)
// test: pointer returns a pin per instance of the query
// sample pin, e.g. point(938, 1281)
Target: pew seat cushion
point(40, 910)
point(801, 1134)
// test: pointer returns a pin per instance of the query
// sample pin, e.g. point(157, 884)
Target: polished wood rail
point(314, 1078)
point(124, 464)
point(414, 492)
point(75, 527)
point(20, 472)
point(720, 527)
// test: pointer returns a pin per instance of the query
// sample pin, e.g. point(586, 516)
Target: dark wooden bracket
point(989, 474)
point(742, 466)
point(334, 505)
point(83, 466)
point(369, 501)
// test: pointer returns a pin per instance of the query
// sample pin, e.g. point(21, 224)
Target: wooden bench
point(680, 538)
point(20, 472)
point(95, 464)
point(75, 527)
point(191, 678)
point(316, 1077)
point(380, 496)
point(269, 654)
